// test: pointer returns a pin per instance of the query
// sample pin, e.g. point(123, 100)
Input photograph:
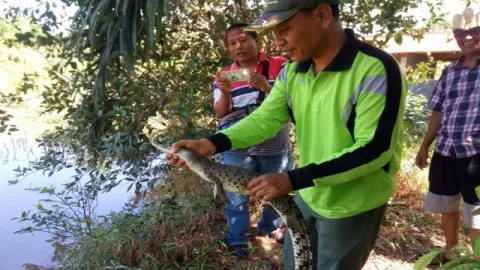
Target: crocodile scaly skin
point(235, 179)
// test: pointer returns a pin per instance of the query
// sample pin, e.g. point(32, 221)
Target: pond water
point(19, 250)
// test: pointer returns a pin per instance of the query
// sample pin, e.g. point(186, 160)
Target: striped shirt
point(457, 96)
point(242, 95)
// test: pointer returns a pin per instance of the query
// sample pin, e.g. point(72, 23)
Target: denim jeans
point(238, 216)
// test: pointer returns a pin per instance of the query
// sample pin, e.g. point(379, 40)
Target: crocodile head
point(194, 161)
point(190, 157)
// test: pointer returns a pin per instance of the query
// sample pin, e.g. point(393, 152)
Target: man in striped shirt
point(455, 123)
point(270, 156)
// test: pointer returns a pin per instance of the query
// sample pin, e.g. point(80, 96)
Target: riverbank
point(187, 230)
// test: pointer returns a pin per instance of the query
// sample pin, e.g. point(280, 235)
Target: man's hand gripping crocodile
point(235, 179)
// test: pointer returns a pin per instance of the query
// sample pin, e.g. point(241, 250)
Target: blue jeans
point(238, 216)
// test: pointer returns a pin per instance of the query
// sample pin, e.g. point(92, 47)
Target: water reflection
point(15, 148)
point(37, 250)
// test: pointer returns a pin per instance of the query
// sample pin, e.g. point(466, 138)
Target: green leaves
point(151, 11)
point(476, 246)
point(5, 118)
point(469, 2)
point(383, 20)
point(114, 26)
point(40, 207)
point(460, 257)
point(424, 261)
point(398, 37)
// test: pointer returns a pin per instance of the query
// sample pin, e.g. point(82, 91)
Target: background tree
point(125, 62)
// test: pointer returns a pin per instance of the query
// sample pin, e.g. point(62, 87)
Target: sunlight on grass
point(265, 244)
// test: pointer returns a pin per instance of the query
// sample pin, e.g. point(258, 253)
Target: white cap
point(467, 19)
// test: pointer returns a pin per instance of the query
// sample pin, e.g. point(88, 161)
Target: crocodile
point(235, 179)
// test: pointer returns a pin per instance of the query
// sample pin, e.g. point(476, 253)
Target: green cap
point(277, 11)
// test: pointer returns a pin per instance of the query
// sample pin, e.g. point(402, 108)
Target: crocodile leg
point(218, 190)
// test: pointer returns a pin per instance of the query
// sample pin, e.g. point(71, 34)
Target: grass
point(407, 231)
point(186, 231)
point(166, 234)
point(182, 231)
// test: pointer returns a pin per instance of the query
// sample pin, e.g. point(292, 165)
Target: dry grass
point(191, 236)
point(192, 244)
point(175, 235)
point(407, 232)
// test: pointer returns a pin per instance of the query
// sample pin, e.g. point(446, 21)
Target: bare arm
point(433, 127)
point(260, 82)
point(223, 106)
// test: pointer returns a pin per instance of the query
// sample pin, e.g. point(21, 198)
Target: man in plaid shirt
point(455, 123)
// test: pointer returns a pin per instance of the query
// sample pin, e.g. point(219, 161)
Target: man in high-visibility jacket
point(347, 101)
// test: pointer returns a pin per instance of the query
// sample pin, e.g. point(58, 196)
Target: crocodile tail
point(302, 251)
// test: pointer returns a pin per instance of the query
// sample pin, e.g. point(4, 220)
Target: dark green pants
point(337, 244)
